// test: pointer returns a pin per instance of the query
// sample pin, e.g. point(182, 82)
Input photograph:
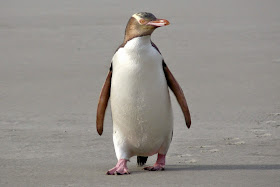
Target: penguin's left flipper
point(103, 102)
point(178, 92)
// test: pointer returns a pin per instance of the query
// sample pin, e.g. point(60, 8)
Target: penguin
point(137, 86)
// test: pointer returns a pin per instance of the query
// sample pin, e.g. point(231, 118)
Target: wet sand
point(54, 57)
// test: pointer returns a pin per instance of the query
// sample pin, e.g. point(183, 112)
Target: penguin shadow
point(223, 167)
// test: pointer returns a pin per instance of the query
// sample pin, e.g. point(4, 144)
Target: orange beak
point(159, 22)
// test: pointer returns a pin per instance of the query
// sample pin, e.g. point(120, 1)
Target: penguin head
point(142, 24)
point(147, 20)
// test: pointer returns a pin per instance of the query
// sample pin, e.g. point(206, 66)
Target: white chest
point(137, 72)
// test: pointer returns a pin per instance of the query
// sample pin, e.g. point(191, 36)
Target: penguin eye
point(142, 21)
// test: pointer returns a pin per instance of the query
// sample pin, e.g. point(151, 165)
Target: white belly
point(140, 103)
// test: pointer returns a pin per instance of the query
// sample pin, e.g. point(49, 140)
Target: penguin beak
point(159, 22)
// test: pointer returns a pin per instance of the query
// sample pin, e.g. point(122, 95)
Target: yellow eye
point(142, 21)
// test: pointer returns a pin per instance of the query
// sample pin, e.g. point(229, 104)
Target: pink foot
point(159, 165)
point(119, 169)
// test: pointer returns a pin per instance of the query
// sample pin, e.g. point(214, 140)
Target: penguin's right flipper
point(178, 92)
point(103, 102)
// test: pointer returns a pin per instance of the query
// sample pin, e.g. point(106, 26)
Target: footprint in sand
point(234, 141)
point(213, 150)
point(191, 161)
point(273, 120)
point(184, 155)
point(260, 133)
point(273, 123)
point(186, 159)
point(264, 135)
point(275, 114)
point(206, 149)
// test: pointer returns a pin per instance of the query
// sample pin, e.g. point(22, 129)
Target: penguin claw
point(154, 168)
point(119, 169)
point(108, 173)
point(147, 168)
point(159, 165)
point(124, 173)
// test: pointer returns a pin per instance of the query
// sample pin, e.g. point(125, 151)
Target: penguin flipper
point(178, 92)
point(103, 102)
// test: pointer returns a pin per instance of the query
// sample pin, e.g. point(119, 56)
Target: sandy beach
point(54, 57)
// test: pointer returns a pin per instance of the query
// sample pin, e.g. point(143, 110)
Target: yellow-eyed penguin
point(137, 83)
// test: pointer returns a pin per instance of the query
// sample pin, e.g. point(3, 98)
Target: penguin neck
point(139, 42)
point(133, 30)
